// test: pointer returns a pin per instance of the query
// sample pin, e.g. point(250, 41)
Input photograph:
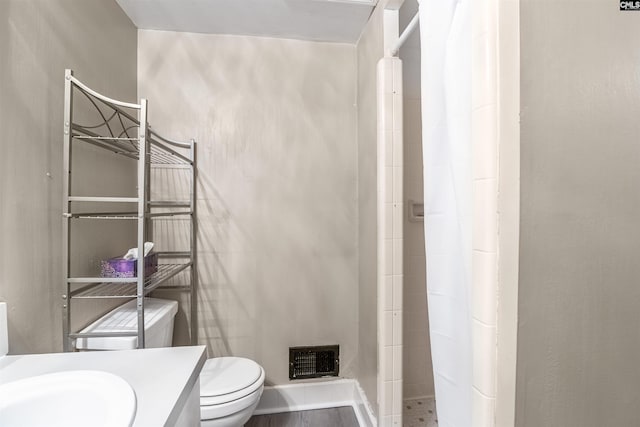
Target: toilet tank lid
point(125, 317)
point(225, 375)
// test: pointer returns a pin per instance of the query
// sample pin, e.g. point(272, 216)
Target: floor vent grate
point(314, 362)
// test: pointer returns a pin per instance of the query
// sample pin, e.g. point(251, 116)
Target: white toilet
point(230, 387)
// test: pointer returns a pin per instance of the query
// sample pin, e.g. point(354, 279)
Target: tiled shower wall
point(417, 364)
point(484, 119)
point(390, 241)
point(485, 216)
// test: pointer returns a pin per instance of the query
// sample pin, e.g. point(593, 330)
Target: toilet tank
point(158, 325)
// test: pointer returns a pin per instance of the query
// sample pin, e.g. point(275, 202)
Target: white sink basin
point(68, 398)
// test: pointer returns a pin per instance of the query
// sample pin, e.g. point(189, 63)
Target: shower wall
point(275, 121)
point(418, 370)
point(38, 40)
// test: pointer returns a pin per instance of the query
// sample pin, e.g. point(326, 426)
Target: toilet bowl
point(230, 389)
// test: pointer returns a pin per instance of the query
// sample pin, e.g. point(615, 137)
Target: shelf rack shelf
point(126, 288)
point(122, 128)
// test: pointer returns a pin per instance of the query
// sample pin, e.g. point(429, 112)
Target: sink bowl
point(68, 398)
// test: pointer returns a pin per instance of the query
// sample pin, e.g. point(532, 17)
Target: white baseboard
point(362, 407)
point(317, 395)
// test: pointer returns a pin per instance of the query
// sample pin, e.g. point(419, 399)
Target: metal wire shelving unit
point(122, 128)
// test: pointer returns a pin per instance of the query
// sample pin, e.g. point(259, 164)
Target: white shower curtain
point(445, 32)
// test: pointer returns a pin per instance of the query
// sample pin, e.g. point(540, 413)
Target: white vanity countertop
point(161, 377)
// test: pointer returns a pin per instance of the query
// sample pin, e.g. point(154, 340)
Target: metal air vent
point(314, 362)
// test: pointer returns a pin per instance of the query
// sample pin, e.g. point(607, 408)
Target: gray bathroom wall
point(38, 40)
point(370, 49)
point(275, 122)
point(578, 342)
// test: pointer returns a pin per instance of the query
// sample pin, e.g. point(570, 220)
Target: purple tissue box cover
point(120, 267)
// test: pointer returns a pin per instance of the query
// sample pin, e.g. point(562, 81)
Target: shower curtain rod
point(413, 24)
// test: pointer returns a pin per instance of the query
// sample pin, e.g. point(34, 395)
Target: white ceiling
point(339, 21)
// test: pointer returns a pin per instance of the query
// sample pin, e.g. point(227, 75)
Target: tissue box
point(120, 267)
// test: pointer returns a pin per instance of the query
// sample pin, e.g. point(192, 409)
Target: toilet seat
point(228, 379)
point(213, 412)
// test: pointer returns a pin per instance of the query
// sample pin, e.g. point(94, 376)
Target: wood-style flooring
point(331, 417)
